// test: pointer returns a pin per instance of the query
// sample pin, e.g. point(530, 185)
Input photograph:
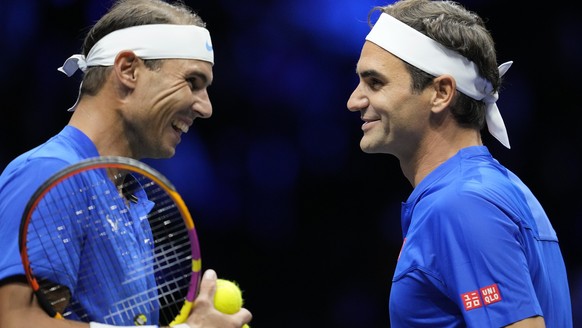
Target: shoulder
point(61, 150)
point(35, 164)
point(23, 176)
point(475, 199)
point(29, 170)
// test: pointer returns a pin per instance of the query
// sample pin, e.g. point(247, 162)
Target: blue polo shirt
point(478, 251)
point(23, 176)
point(82, 235)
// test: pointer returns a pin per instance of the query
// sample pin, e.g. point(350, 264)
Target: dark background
point(284, 200)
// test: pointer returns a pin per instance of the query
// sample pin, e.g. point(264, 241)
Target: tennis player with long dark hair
point(147, 65)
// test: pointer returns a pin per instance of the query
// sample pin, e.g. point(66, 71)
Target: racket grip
point(184, 313)
point(46, 305)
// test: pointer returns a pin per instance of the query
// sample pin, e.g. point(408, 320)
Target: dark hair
point(127, 13)
point(458, 29)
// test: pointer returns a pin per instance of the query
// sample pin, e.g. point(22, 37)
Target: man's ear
point(445, 88)
point(125, 67)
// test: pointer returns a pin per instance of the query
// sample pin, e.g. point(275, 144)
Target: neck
point(98, 117)
point(435, 149)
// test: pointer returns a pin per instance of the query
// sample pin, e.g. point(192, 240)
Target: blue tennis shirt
point(23, 176)
point(82, 236)
point(478, 251)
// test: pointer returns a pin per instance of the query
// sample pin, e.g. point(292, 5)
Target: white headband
point(153, 41)
point(430, 56)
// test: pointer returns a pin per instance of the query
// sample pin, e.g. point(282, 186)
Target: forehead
point(189, 66)
point(373, 57)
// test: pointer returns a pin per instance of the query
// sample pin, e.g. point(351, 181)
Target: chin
point(168, 154)
point(167, 151)
point(367, 147)
point(162, 154)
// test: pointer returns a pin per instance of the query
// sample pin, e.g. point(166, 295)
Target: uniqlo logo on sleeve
point(490, 294)
point(471, 300)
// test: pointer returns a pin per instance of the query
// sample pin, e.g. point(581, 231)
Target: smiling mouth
point(368, 124)
point(369, 121)
point(180, 126)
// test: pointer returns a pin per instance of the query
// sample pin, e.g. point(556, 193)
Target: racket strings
point(84, 217)
point(172, 252)
point(52, 242)
point(172, 248)
point(109, 222)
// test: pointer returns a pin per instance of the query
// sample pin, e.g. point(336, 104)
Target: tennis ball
point(228, 297)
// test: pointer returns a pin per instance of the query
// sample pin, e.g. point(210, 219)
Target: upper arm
point(18, 308)
point(16, 304)
point(482, 256)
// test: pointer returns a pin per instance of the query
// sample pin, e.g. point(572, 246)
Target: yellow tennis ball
point(228, 297)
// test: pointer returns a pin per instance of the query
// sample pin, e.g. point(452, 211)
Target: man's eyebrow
point(370, 73)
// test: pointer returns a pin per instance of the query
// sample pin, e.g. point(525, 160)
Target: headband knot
point(495, 123)
point(74, 63)
point(433, 58)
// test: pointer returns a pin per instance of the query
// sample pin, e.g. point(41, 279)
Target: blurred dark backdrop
point(285, 202)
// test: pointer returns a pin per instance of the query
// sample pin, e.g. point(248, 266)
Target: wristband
point(101, 325)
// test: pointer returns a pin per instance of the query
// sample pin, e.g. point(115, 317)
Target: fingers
point(243, 316)
point(208, 285)
point(205, 315)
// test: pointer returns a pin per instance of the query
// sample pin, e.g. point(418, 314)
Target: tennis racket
point(110, 240)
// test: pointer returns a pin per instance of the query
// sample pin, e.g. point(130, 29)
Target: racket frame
point(119, 163)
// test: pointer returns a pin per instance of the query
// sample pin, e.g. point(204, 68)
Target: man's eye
point(375, 83)
point(192, 82)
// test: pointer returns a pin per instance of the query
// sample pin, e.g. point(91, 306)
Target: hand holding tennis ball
point(228, 297)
